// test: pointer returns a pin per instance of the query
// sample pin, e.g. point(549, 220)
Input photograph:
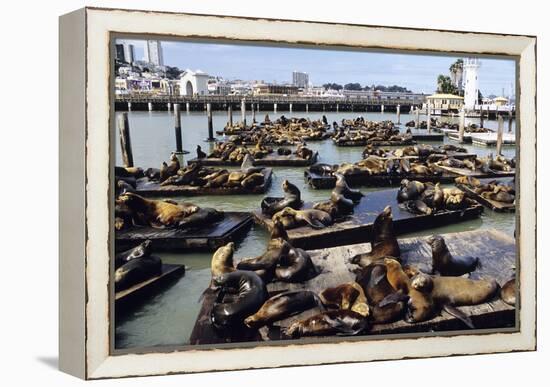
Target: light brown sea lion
point(458, 291)
point(222, 260)
point(253, 180)
point(158, 213)
point(334, 322)
point(312, 217)
point(508, 292)
point(384, 242)
point(500, 196)
point(444, 263)
point(282, 306)
point(346, 296)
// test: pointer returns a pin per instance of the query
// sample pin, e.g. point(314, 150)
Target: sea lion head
point(436, 242)
point(288, 211)
point(386, 213)
point(278, 230)
point(422, 282)
point(391, 263)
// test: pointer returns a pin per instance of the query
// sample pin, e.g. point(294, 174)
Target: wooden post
point(510, 121)
point(169, 106)
point(290, 107)
point(125, 143)
point(253, 113)
point(382, 108)
point(429, 121)
point(499, 134)
point(187, 106)
point(481, 116)
point(210, 125)
point(230, 115)
point(398, 114)
point(461, 126)
point(243, 112)
point(307, 108)
point(129, 106)
point(417, 120)
point(150, 106)
point(337, 108)
point(177, 128)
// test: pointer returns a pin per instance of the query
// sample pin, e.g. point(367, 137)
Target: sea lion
point(459, 291)
point(329, 207)
point(314, 218)
point(417, 206)
point(203, 217)
point(384, 243)
point(346, 296)
point(152, 173)
point(409, 190)
point(282, 306)
point(140, 251)
point(296, 266)
point(292, 198)
point(333, 322)
point(444, 263)
point(242, 293)
point(253, 180)
point(322, 169)
point(137, 270)
point(158, 213)
point(218, 181)
point(500, 196)
point(200, 153)
point(122, 187)
point(508, 292)
point(222, 260)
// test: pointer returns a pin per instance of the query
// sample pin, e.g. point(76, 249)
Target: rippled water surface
point(168, 317)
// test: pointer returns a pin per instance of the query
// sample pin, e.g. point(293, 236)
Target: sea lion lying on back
point(282, 306)
point(384, 242)
point(334, 322)
point(444, 263)
point(346, 296)
point(312, 217)
point(158, 213)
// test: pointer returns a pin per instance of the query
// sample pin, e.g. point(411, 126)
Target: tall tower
point(153, 52)
point(471, 82)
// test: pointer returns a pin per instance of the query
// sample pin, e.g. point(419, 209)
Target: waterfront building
point(267, 89)
point(300, 79)
point(124, 52)
point(443, 103)
point(153, 52)
point(471, 82)
point(193, 83)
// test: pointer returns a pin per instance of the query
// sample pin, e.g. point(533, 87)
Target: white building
point(193, 83)
point(471, 82)
point(153, 52)
point(300, 79)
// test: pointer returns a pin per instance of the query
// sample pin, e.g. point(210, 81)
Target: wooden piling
point(230, 115)
point(253, 113)
point(481, 116)
point(275, 107)
point(129, 106)
point(210, 125)
point(337, 108)
point(187, 106)
point(290, 107)
point(243, 112)
point(510, 119)
point(307, 108)
point(398, 114)
point(150, 106)
point(461, 126)
point(168, 106)
point(429, 121)
point(382, 108)
point(417, 120)
point(499, 134)
point(125, 143)
point(177, 128)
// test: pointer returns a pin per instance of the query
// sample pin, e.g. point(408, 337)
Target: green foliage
point(353, 86)
point(445, 85)
point(332, 86)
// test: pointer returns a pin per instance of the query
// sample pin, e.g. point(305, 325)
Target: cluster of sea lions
point(374, 165)
point(499, 191)
point(342, 200)
point(136, 265)
point(229, 151)
point(370, 132)
point(488, 164)
point(436, 124)
point(429, 198)
point(422, 151)
point(132, 209)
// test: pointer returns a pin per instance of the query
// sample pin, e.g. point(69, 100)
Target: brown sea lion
point(296, 266)
point(203, 217)
point(334, 322)
point(158, 213)
point(292, 198)
point(346, 296)
point(253, 180)
point(137, 270)
point(312, 217)
point(444, 263)
point(508, 292)
point(282, 306)
point(458, 291)
point(222, 260)
point(329, 207)
point(384, 242)
point(410, 190)
point(342, 188)
point(140, 251)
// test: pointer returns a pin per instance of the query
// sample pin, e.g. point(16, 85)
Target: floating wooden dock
point(490, 139)
point(366, 142)
point(496, 250)
point(152, 189)
point(136, 293)
point(477, 173)
point(357, 227)
point(491, 204)
point(271, 160)
point(207, 238)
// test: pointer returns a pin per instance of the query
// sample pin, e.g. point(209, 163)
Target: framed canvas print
point(242, 193)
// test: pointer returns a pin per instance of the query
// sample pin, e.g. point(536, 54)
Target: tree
point(445, 85)
point(353, 86)
point(172, 72)
point(332, 86)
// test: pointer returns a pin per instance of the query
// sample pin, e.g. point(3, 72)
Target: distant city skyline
point(416, 72)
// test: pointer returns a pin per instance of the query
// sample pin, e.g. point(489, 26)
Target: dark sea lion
point(500, 196)
point(152, 173)
point(218, 181)
point(409, 190)
point(242, 293)
point(417, 206)
point(292, 198)
point(135, 172)
point(140, 251)
point(122, 187)
point(312, 217)
point(253, 180)
point(296, 266)
point(203, 217)
point(329, 207)
point(200, 153)
point(459, 291)
point(334, 322)
point(508, 292)
point(322, 169)
point(342, 188)
point(444, 263)
point(158, 213)
point(346, 296)
point(136, 271)
point(384, 243)
point(282, 306)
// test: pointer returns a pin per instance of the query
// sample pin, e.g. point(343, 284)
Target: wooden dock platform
point(477, 173)
point(351, 143)
point(491, 204)
point(318, 181)
point(136, 293)
point(490, 139)
point(152, 189)
point(357, 227)
point(271, 160)
point(232, 227)
point(496, 250)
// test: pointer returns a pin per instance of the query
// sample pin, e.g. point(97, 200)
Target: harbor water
point(168, 318)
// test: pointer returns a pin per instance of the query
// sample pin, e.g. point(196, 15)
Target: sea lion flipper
point(459, 315)
point(315, 223)
point(393, 298)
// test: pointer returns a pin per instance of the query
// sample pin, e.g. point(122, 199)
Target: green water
point(168, 317)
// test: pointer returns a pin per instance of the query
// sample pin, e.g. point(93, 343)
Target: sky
point(418, 73)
